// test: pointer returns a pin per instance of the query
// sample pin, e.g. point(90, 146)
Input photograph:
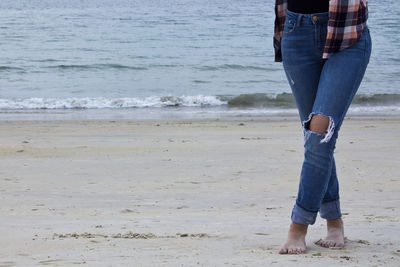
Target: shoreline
point(175, 113)
point(206, 192)
point(276, 119)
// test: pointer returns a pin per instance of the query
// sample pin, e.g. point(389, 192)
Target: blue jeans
point(325, 87)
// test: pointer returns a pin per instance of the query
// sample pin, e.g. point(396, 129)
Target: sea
point(161, 59)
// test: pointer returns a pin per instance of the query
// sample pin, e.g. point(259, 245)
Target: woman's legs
point(340, 78)
point(318, 189)
point(302, 60)
point(335, 230)
point(338, 82)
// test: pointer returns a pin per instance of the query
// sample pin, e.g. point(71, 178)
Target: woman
point(325, 48)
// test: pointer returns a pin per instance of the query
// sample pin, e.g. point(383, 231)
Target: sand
point(200, 192)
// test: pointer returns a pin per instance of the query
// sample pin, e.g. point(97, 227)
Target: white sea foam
point(371, 110)
point(207, 103)
point(101, 102)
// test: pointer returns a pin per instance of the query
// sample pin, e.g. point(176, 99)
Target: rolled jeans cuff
point(302, 216)
point(330, 210)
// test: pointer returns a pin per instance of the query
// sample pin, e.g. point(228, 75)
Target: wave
point(233, 67)
point(6, 68)
point(95, 66)
point(101, 102)
point(377, 99)
point(258, 100)
point(46, 60)
point(286, 100)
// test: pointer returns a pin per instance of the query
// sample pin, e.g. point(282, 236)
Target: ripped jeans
point(324, 87)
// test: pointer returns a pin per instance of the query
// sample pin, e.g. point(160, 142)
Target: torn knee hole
point(320, 124)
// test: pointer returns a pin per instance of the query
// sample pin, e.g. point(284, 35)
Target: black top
point(308, 6)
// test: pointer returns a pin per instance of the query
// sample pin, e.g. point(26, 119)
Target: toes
point(300, 250)
point(326, 244)
point(283, 251)
point(330, 244)
point(296, 251)
point(292, 251)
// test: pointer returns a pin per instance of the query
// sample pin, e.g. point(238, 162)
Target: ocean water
point(162, 58)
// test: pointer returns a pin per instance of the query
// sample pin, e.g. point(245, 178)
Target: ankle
point(337, 223)
point(296, 228)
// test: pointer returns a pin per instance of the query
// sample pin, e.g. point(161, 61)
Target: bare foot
point(335, 236)
point(295, 243)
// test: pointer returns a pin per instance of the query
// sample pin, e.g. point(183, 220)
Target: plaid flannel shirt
point(347, 21)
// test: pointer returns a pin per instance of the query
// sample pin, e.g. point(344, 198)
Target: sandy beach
point(198, 192)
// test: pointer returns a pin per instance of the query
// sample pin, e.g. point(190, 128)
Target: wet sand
point(206, 192)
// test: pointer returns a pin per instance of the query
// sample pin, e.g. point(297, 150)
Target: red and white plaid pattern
point(347, 21)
